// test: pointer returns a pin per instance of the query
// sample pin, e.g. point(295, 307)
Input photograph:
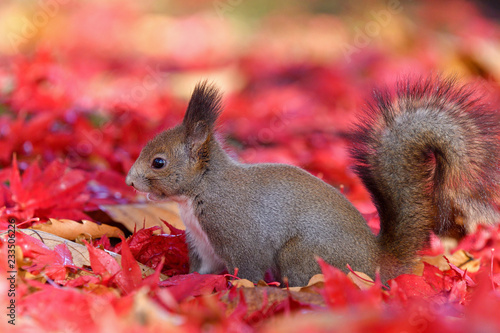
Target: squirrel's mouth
point(156, 196)
point(152, 196)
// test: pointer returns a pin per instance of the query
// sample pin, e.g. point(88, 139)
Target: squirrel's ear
point(204, 105)
point(197, 140)
point(202, 112)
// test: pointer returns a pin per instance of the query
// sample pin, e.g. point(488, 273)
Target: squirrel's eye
point(158, 163)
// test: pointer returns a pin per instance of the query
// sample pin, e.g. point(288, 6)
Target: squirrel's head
point(172, 162)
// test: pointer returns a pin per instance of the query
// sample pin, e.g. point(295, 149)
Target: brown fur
point(429, 157)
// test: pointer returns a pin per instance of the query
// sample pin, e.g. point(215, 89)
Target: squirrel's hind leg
point(297, 263)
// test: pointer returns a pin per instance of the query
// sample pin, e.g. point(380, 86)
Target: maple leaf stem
point(33, 219)
point(358, 276)
point(51, 282)
point(491, 270)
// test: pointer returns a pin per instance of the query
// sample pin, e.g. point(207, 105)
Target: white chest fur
point(210, 261)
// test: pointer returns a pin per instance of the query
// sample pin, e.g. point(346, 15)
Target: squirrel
point(428, 154)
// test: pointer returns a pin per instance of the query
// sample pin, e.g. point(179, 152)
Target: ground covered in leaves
point(84, 85)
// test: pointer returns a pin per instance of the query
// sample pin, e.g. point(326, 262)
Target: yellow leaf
point(71, 230)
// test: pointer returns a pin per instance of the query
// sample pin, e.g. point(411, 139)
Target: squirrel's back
point(297, 211)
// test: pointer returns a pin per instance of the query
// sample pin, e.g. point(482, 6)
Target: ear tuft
point(205, 106)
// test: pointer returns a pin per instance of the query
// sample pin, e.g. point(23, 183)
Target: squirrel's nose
point(129, 180)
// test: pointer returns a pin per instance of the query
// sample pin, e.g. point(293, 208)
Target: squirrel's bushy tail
point(429, 155)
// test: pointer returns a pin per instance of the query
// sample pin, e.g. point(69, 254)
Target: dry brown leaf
point(419, 268)
point(439, 261)
point(315, 283)
point(460, 258)
point(138, 215)
point(243, 283)
point(262, 283)
point(78, 251)
point(72, 230)
point(464, 260)
point(360, 279)
point(318, 278)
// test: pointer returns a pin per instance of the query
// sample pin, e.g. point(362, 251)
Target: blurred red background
point(91, 81)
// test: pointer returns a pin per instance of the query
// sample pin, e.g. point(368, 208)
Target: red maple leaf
point(412, 286)
point(128, 277)
point(53, 309)
point(461, 274)
point(194, 284)
point(57, 192)
point(482, 310)
point(55, 263)
point(340, 291)
point(103, 264)
point(149, 249)
point(31, 246)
